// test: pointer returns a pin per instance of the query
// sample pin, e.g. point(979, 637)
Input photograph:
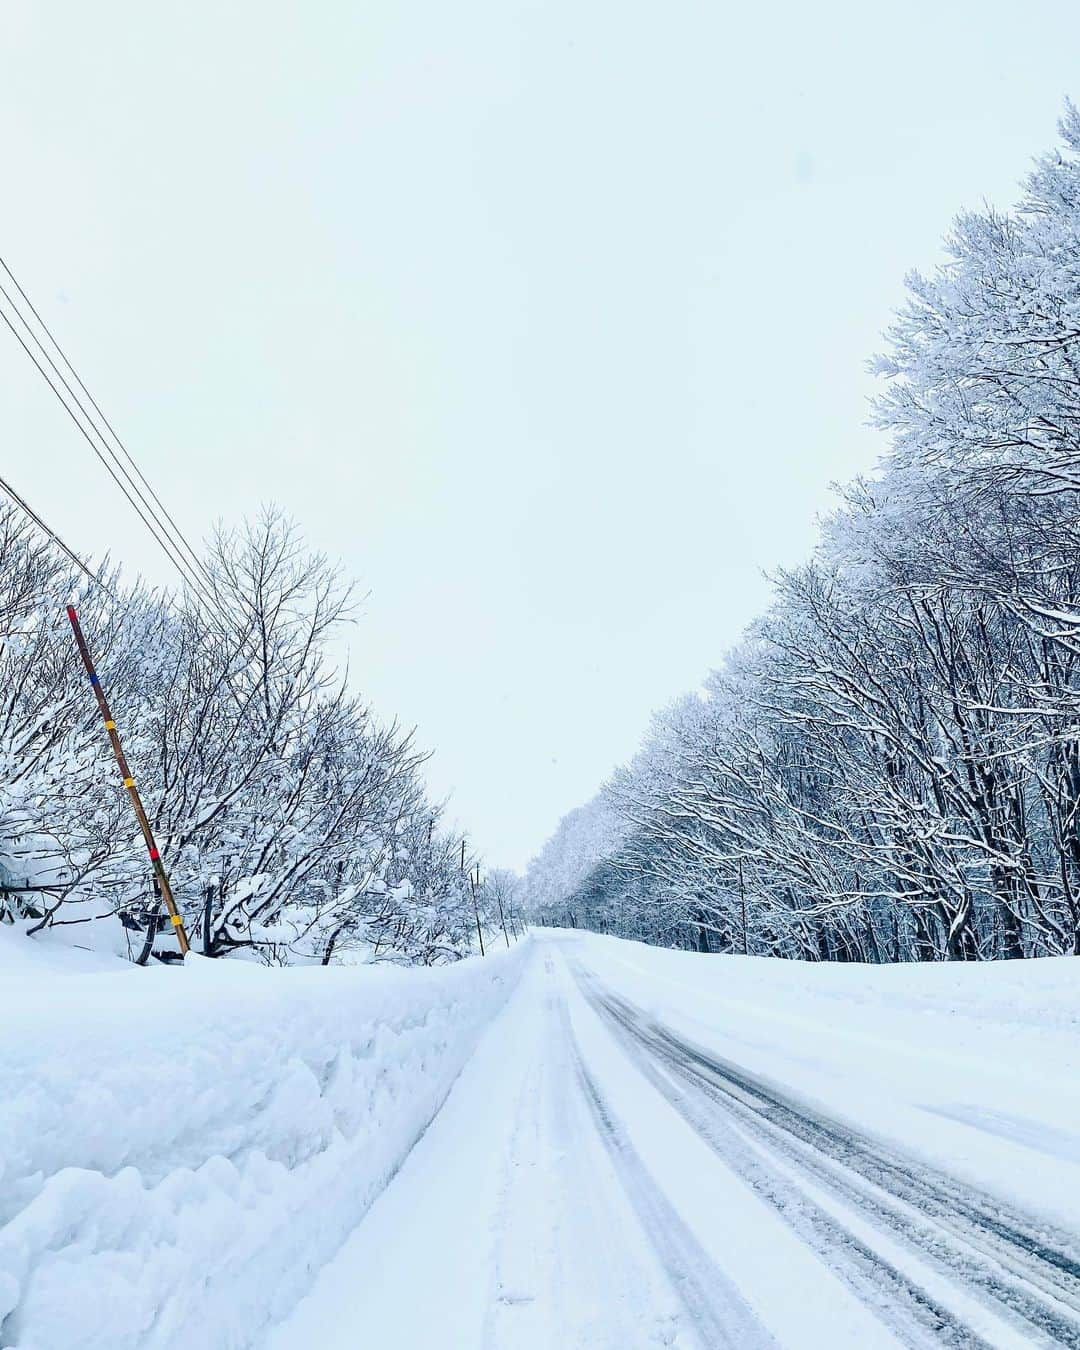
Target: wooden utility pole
point(160, 875)
point(476, 908)
point(498, 901)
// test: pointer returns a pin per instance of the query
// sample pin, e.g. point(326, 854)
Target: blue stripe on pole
point(93, 678)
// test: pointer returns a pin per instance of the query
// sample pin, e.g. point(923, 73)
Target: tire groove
point(1042, 1269)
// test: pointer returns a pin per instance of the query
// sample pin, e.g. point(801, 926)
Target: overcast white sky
point(548, 319)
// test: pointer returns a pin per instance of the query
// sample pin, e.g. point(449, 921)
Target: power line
point(108, 425)
point(162, 539)
point(70, 553)
point(159, 533)
point(200, 584)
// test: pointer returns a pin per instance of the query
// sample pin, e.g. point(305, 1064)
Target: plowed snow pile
point(181, 1150)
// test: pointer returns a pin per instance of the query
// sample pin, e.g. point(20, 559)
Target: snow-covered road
point(651, 1149)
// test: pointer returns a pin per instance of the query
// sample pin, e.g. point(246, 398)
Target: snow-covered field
point(637, 1148)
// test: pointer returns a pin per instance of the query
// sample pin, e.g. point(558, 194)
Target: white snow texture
point(180, 1152)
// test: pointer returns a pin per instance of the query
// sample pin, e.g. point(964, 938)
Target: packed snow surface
point(634, 1148)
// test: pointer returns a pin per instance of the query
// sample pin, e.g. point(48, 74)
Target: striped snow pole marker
point(129, 783)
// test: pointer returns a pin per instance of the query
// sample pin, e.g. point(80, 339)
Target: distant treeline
point(888, 767)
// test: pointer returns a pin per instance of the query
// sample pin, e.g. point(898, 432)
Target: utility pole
point(502, 916)
point(476, 907)
point(160, 876)
point(742, 897)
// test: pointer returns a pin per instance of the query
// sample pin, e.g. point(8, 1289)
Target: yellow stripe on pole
point(129, 783)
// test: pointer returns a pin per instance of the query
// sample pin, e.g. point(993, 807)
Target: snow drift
point(181, 1151)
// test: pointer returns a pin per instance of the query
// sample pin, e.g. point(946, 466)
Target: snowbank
point(181, 1150)
point(56, 951)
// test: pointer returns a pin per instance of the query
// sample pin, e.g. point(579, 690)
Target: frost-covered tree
point(889, 766)
point(293, 823)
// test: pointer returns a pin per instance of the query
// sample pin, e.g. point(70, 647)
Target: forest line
point(887, 767)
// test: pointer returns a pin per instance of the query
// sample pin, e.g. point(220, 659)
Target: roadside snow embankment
point(180, 1151)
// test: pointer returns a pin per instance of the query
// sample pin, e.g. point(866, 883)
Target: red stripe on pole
point(71, 611)
point(154, 854)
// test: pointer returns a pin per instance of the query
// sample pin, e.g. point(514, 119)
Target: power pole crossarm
point(129, 783)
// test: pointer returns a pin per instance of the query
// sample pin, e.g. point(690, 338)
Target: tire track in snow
point(912, 1315)
point(718, 1313)
point(571, 1265)
point(1026, 1271)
